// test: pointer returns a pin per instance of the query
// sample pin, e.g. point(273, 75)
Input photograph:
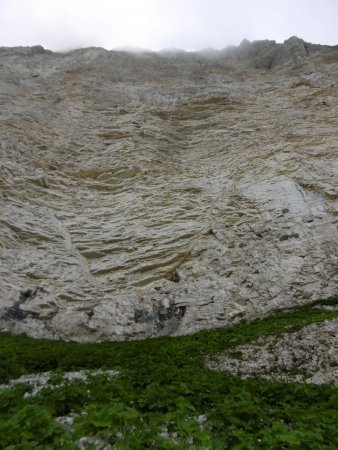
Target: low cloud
point(156, 24)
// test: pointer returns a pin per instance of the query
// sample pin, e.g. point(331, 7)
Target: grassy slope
point(164, 382)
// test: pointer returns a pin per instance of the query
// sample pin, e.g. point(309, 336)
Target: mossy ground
point(162, 389)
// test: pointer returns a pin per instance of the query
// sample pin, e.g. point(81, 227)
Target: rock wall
point(163, 193)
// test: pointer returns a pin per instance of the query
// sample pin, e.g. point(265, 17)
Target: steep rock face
point(153, 194)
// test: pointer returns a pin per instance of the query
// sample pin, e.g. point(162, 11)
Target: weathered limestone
point(143, 195)
point(309, 355)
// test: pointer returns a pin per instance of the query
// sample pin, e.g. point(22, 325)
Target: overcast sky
point(157, 24)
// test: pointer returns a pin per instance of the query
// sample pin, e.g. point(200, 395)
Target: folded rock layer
point(163, 193)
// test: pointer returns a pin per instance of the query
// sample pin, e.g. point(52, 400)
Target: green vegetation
point(164, 397)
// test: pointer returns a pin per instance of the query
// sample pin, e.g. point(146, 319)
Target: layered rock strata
point(163, 193)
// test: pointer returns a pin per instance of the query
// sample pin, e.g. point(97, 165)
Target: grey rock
point(259, 54)
point(43, 380)
point(293, 53)
point(309, 355)
point(163, 193)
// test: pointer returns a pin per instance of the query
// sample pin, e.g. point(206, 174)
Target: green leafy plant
point(32, 427)
point(162, 391)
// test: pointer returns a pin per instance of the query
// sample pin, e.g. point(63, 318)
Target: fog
point(156, 24)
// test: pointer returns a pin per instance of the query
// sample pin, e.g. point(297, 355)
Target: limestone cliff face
point(153, 194)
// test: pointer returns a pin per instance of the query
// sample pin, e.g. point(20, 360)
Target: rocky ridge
point(163, 193)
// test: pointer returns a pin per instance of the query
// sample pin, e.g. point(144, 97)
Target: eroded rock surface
point(150, 194)
point(309, 355)
point(43, 380)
